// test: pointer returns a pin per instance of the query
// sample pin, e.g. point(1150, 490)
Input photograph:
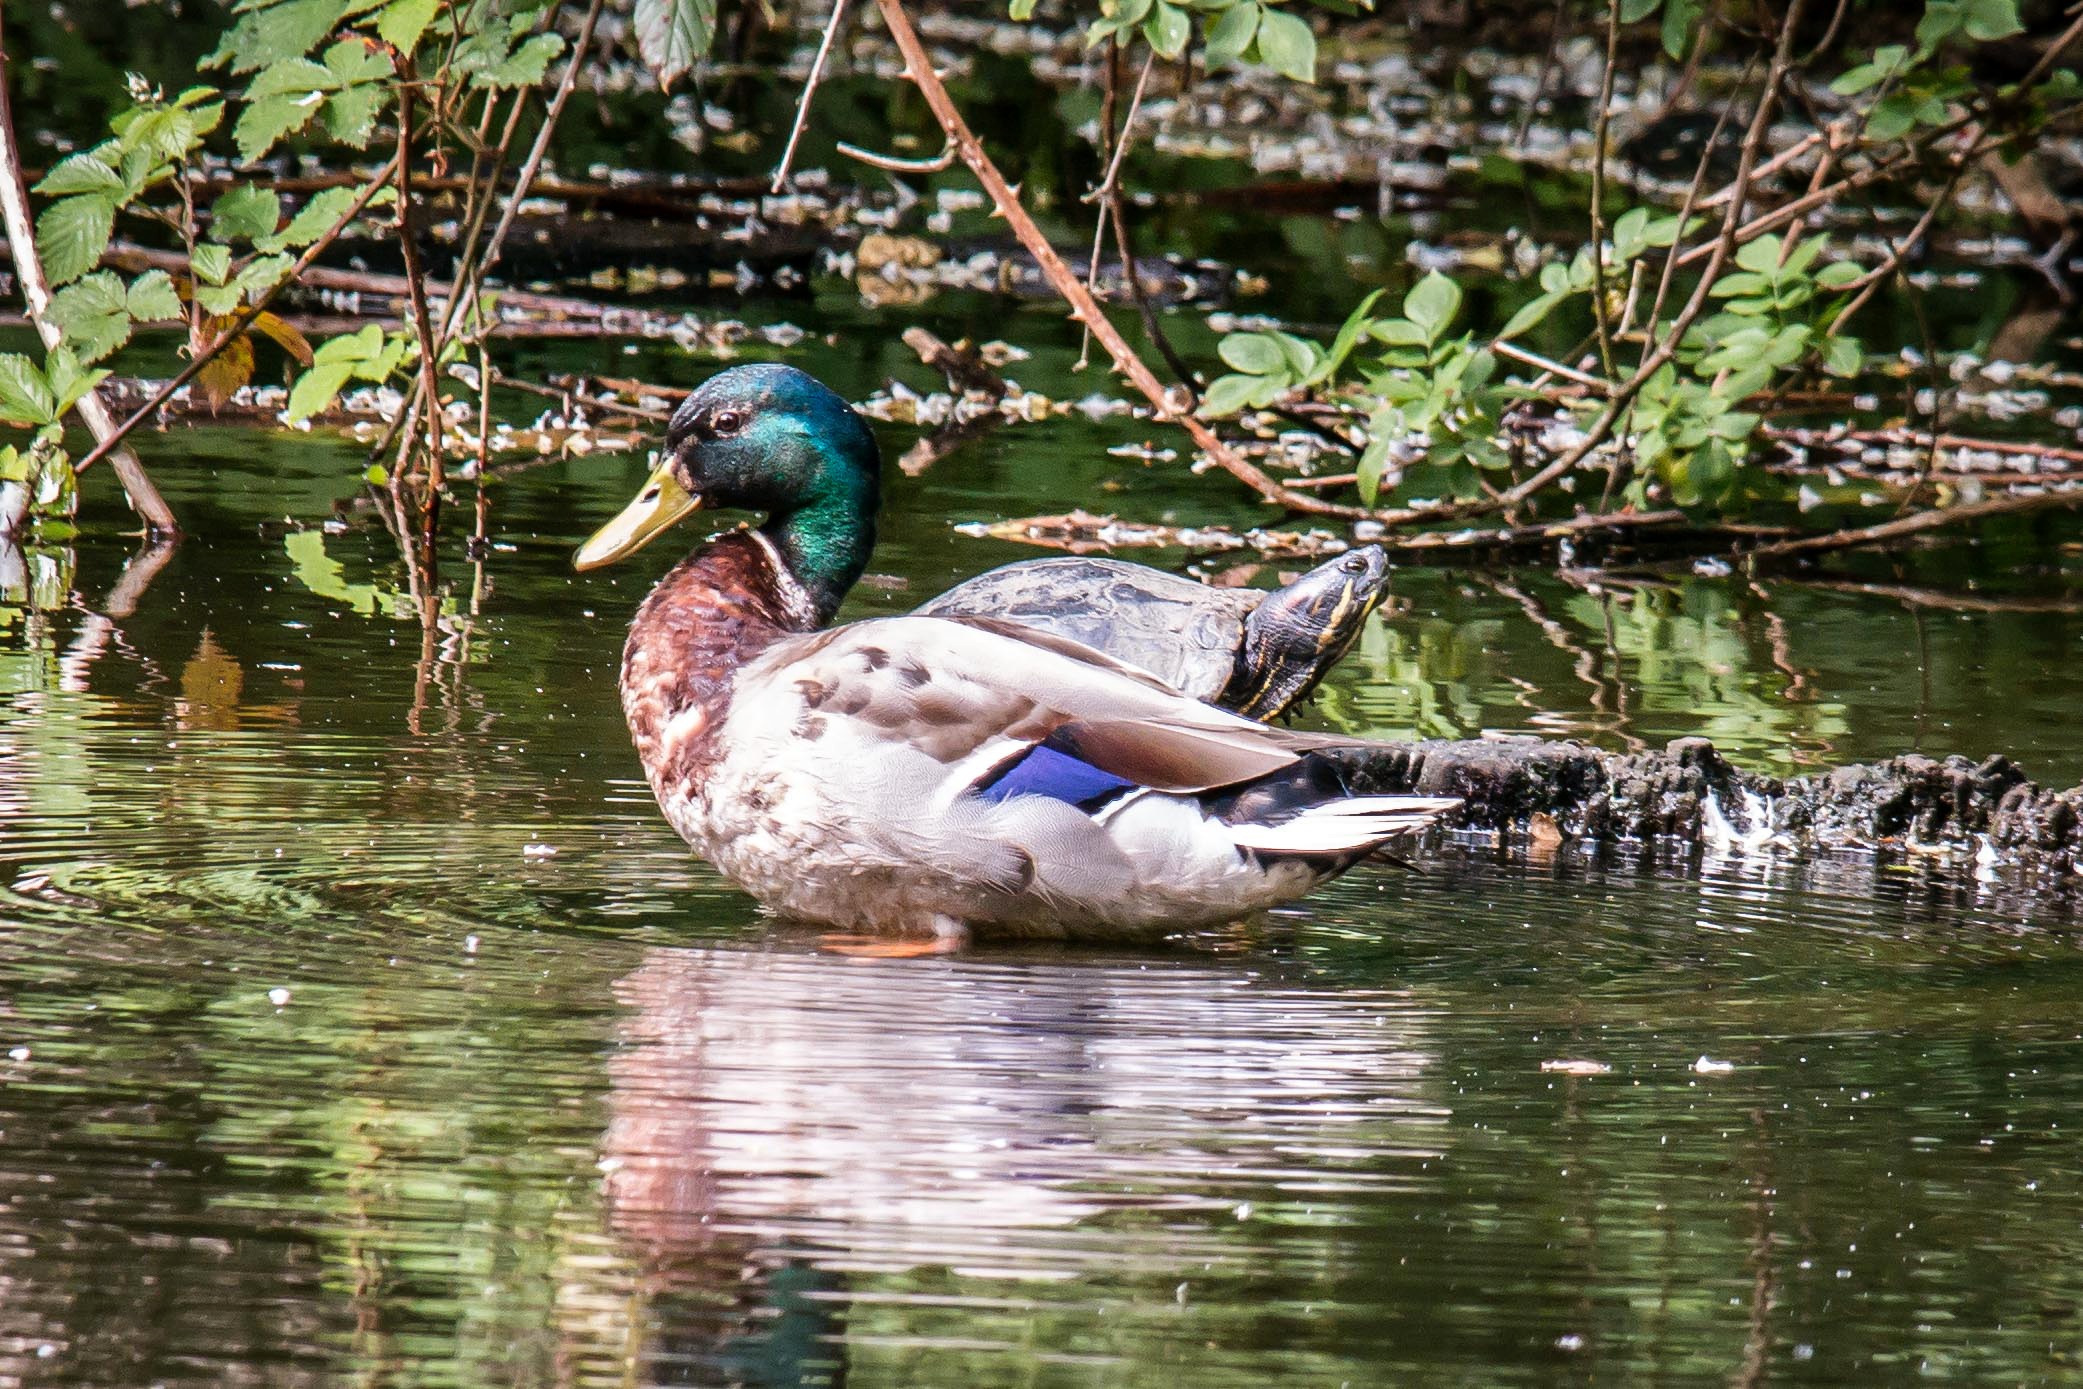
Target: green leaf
point(1844, 357)
point(24, 396)
point(362, 345)
point(67, 380)
point(312, 221)
point(1349, 334)
point(270, 33)
point(1398, 332)
point(350, 116)
point(353, 62)
point(1630, 237)
point(1255, 354)
point(673, 35)
point(247, 212)
point(1286, 45)
point(1837, 274)
point(1681, 22)
point(1886, 62)
point(93, 315)
point(1301, 354)
point(260, 273)
point(1992, 19)
point(526, 65)
point(1021, 11)
point(1804, 255)
point(152, 299)
point(1760, 256)
point(1742, 283)
point(1230, 35)
point(1374, 458)
point(211, 263)
point(81, 173)
point(263, 123)
point(1226, 395)
point(1531, 313)
point(1894, 116)
point(73, 232)
point(1167, 29)
point(291, 77)
point(1632, 11)
point(316, 388)
point(403, 21)
point(1432, 304)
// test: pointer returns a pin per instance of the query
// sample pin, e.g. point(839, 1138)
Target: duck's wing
point(974, 693)
point(1031, 767)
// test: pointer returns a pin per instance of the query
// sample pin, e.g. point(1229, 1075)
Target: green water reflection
point(363, 1023)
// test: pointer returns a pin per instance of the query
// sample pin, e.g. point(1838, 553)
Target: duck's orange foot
point(942, 936)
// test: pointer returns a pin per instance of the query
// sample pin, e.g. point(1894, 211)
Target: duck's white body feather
point(844, 791)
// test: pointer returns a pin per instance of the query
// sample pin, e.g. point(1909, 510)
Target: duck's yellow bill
point(662, 502)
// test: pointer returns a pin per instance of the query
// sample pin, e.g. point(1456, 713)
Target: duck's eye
point(726, 422)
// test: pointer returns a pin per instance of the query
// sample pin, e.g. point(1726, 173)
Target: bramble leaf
point(673, 35)
point(73, 233)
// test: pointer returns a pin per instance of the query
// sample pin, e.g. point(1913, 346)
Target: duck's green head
point(764, 438)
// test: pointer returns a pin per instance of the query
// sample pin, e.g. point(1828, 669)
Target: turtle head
point(1301, 631)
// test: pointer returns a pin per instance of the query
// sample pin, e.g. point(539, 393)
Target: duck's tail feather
point(1347, 825)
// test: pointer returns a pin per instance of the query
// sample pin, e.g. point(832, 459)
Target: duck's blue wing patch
point(1046, 771)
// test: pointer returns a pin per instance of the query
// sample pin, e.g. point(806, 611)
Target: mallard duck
point(1251, 651)
point(935, 774)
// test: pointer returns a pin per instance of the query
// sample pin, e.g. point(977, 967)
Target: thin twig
point(1667, 346)
point(1598, 385)
point(1601, 131)
point(920, 69)
point(422, 323)
point(817, 69)
point(895, 165)
point(1917, 522)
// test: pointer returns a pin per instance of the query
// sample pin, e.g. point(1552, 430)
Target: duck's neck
point(825, 544)
point(714, 611)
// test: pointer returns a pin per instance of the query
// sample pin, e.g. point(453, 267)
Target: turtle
point(1255, 652)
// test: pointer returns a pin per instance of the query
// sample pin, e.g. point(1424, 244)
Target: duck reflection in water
point(790, 1131)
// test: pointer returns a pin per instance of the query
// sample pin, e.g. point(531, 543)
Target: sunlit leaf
point(673, 35)
point(152, 298)
point(1286, 45)
point(1231, 34)
point(1432, 304)
point(246, 212)
point(403, 21)
point(93, 314)
point(1167, 29)
point(1226, 395)
point(314, 391)
point(25, 398)
point(1256, 354)
point(81, 173)
point(73, 233)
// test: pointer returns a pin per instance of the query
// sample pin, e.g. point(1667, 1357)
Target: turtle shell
point(1183, 632)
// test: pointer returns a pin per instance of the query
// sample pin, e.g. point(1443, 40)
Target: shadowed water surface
point(362, 1022)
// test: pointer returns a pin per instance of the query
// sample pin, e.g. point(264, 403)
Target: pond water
point(361, 1021)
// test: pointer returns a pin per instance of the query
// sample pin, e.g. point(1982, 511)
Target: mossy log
point(1986, 816)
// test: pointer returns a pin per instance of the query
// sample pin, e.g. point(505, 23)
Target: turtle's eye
point(1353, 564)
point(722, 422)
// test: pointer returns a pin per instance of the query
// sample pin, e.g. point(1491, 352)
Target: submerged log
point(1984, 817)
